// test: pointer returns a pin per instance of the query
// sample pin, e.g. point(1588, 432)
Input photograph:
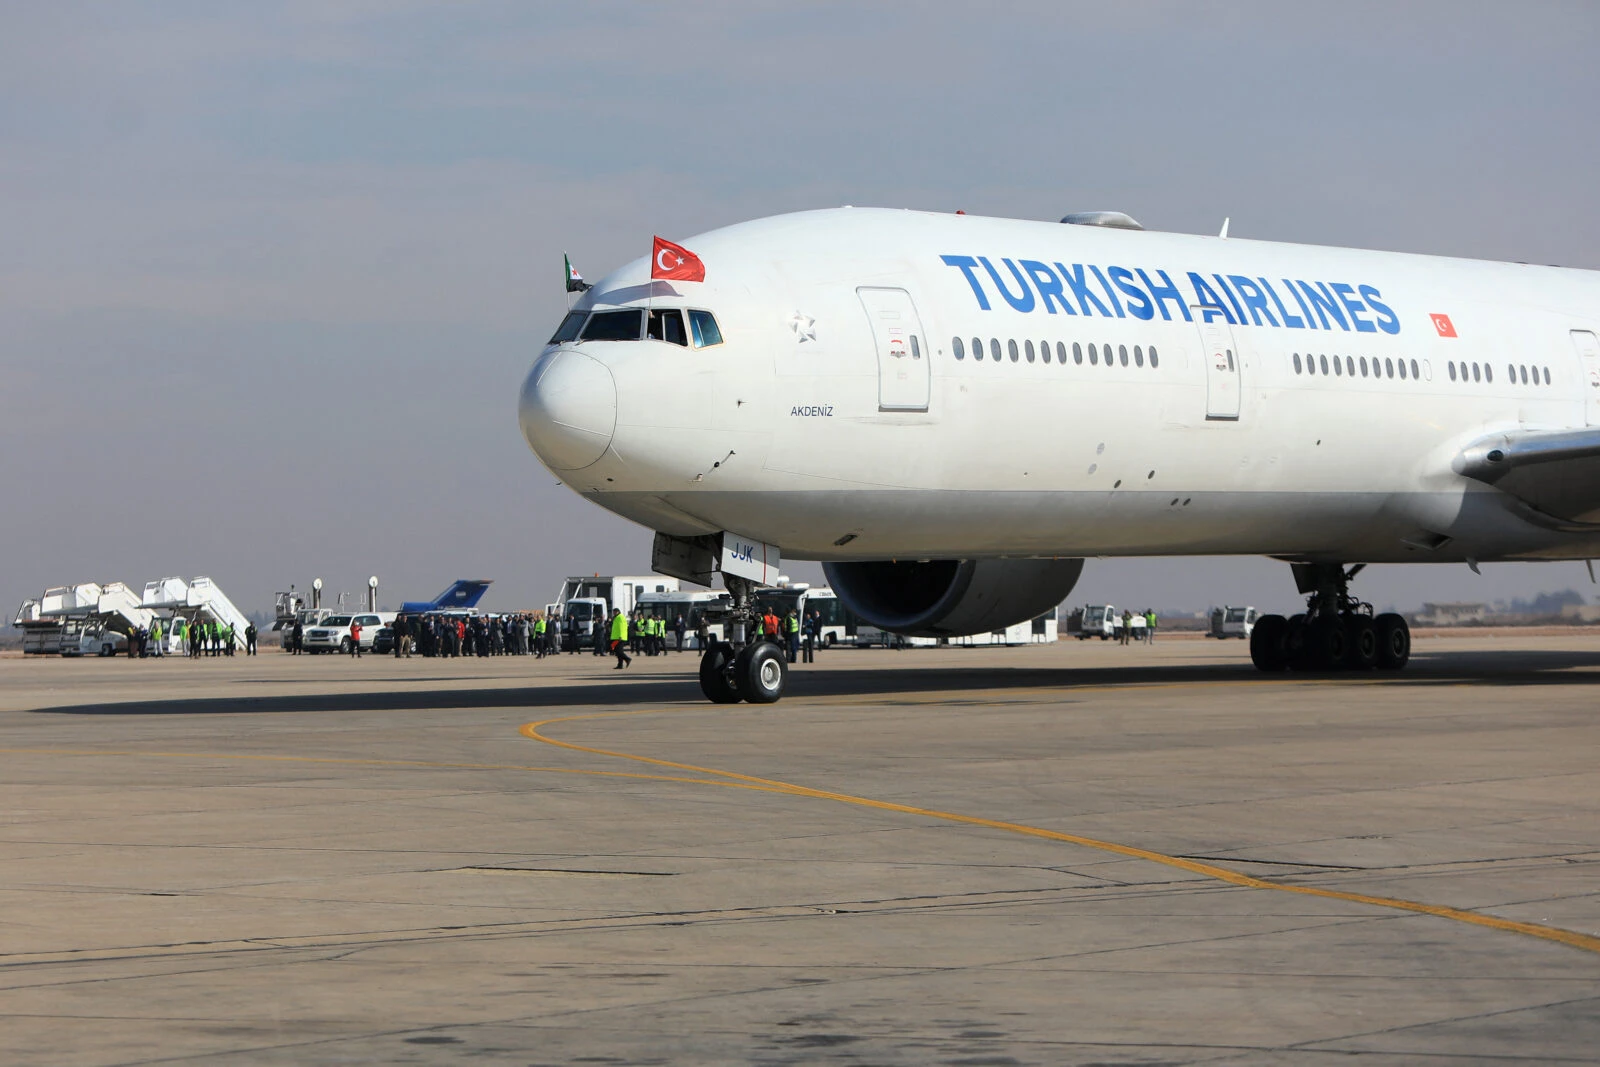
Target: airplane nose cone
point(568, 409)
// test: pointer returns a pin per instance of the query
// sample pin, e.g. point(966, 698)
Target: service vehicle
point(838, 624)
point(1092, 620)
point(1229, 621)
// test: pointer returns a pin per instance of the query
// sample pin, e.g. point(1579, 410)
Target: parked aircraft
point(463, 594)
point(952, 412)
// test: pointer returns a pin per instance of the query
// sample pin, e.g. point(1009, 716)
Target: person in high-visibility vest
point(791, 633)
point(155, 635)
point(538, 637)
point(619, 638)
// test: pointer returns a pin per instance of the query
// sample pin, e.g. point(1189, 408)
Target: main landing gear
point(739, 669)
point(1336, 633)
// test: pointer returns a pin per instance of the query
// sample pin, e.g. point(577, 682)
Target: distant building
point(1452, 614)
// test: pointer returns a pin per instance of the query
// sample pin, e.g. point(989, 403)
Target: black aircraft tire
point(715, 667)
point(761, 672)
point(1362, 635)
point(1268, 650)
point(1394, 642)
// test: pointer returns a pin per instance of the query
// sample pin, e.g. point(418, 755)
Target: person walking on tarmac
point(791, 634)
point(355, 637)
point(619, 638)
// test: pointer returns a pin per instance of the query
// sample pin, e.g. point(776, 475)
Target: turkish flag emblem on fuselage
point(670, 262)
point(1443, 324)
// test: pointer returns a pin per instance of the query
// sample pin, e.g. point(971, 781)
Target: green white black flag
point(575, 282)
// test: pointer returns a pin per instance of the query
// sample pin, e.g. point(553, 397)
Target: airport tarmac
point(1077, 854)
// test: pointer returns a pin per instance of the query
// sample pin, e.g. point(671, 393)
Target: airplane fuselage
point(1138, 393)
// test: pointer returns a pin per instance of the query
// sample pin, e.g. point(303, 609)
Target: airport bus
point(693, 606)
point(839, 624)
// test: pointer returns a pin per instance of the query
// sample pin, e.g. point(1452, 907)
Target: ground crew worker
point(791, 628)
point(1150, 626)
point(155, 635)
point(769, 626)
point(227, 639)
point(619, 638)
point(250, 639)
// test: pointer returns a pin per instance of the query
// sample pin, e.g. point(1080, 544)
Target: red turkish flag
point(671, 262)
point(1443, 324)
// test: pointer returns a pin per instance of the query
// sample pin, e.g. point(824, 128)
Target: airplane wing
point(1555, 473)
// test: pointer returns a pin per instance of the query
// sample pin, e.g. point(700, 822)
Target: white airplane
point(952, 412)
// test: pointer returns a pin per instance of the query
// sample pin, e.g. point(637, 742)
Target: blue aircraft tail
point(462, 595)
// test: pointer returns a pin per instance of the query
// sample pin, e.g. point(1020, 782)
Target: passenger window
point(1338, 368)
point(1044, 351)
point(569, 328)
point(1488, 373)
point(1155, 360)
point(1511, 372)
point(1547, 376)
point(1402, 369)
point(666, 324)
point(703, 327)
point(615, 325)
point(1350, 366)
point(1323, 363)
point(1388, 368)
point(1029, 351)
point(1094, 357)
point(1363, 366)
point(1122, 351)
point(958, 348)
point(977, 348)
point(1475, 375)
point(1297, 363)
point(1523, 370)
point(1011, 347)
point(1138, 356)
point(1452, 370)
point(1311, 363)
point(1061, 353)
point(1111, 357)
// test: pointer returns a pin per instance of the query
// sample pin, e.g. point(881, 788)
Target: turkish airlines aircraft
point(952, 412)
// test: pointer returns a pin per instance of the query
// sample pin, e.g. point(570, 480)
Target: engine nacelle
point(952, 597)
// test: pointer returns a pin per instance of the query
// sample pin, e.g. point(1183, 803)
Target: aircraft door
point(1222, 367)
point(904, 376)
point(1588, 347)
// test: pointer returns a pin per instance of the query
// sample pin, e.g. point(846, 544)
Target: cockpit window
point(615, 325)
point(703, 325)
point(666, 324)
point(568, 330)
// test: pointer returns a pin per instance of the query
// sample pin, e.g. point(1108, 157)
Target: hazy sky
point(271, 274)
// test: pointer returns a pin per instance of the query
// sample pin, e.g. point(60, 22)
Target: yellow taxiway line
point(1570, 938)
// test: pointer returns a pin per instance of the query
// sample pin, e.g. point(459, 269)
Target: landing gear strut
point(1337, 631)
point(746, 666)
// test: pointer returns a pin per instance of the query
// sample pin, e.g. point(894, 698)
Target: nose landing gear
point(738, 669)
point(1337, 631)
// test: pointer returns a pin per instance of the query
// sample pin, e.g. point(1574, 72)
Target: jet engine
point(952, 597)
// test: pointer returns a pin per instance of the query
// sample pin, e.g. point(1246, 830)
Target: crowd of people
point(532, 634)
point(194, 638)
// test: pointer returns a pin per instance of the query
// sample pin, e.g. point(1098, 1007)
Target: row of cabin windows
point(637, 324)
point(1349, 366)
point(1515, 372)
point(1110, 356)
